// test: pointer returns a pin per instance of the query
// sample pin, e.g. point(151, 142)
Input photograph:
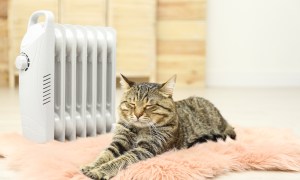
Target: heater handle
point(49, 18)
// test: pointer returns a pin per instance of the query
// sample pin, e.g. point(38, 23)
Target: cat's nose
point(138, 115)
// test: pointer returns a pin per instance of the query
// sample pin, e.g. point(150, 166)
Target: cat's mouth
point(140, 122)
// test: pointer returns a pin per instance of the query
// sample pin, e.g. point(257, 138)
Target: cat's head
point(144, 104)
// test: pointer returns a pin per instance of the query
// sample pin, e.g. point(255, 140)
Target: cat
point(151, 123)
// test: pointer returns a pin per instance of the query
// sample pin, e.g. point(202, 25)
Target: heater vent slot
point(46, 89)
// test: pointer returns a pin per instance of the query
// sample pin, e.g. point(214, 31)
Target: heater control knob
point(22, 62)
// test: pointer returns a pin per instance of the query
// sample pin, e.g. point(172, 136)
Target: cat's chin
point(140, 124)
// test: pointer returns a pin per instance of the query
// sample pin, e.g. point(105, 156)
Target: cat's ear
point(125, 83)
point(167, 88)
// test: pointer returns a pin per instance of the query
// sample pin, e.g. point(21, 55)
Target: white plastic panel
point(36, 109)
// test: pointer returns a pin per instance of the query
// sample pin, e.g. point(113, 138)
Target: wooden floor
point(248, 107)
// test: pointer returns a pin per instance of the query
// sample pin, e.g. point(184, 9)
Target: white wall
point(253, 43)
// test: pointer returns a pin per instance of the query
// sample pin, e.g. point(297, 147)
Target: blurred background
point(156, 39)
point(206, 43)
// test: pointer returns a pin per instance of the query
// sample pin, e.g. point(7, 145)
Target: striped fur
point(152, 123)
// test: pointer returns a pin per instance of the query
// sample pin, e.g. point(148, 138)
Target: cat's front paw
point(96, 174)
point(86, 169)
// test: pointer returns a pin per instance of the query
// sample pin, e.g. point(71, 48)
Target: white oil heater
point(66, 80)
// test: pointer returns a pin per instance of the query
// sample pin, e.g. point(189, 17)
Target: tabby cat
point(152, 123)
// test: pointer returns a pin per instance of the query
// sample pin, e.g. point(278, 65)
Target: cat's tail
point(229, 131)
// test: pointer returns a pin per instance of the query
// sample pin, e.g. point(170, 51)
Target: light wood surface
point(3, 40)
point(181, 9)
point(3, 43)
point(181, 41)
point(181, 47)
point(83, 12)
point(155, 38)
point(3, 9)
point(134, 22)
point(180, 30)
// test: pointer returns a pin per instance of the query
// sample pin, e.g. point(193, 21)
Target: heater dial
point(22, 62)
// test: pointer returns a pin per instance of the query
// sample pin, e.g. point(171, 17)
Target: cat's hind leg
point(229, 131)
point(210, 137)
point(218, 136)
point(201, 139)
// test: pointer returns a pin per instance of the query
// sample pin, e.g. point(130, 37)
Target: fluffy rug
point(254, 149)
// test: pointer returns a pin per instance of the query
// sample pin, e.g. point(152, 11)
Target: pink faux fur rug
point(254, 149)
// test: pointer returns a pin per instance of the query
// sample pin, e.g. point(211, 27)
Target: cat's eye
point(131, 104)
point(148, 106)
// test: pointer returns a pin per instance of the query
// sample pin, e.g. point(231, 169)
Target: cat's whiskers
point(156, 133)
point(132, 118)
